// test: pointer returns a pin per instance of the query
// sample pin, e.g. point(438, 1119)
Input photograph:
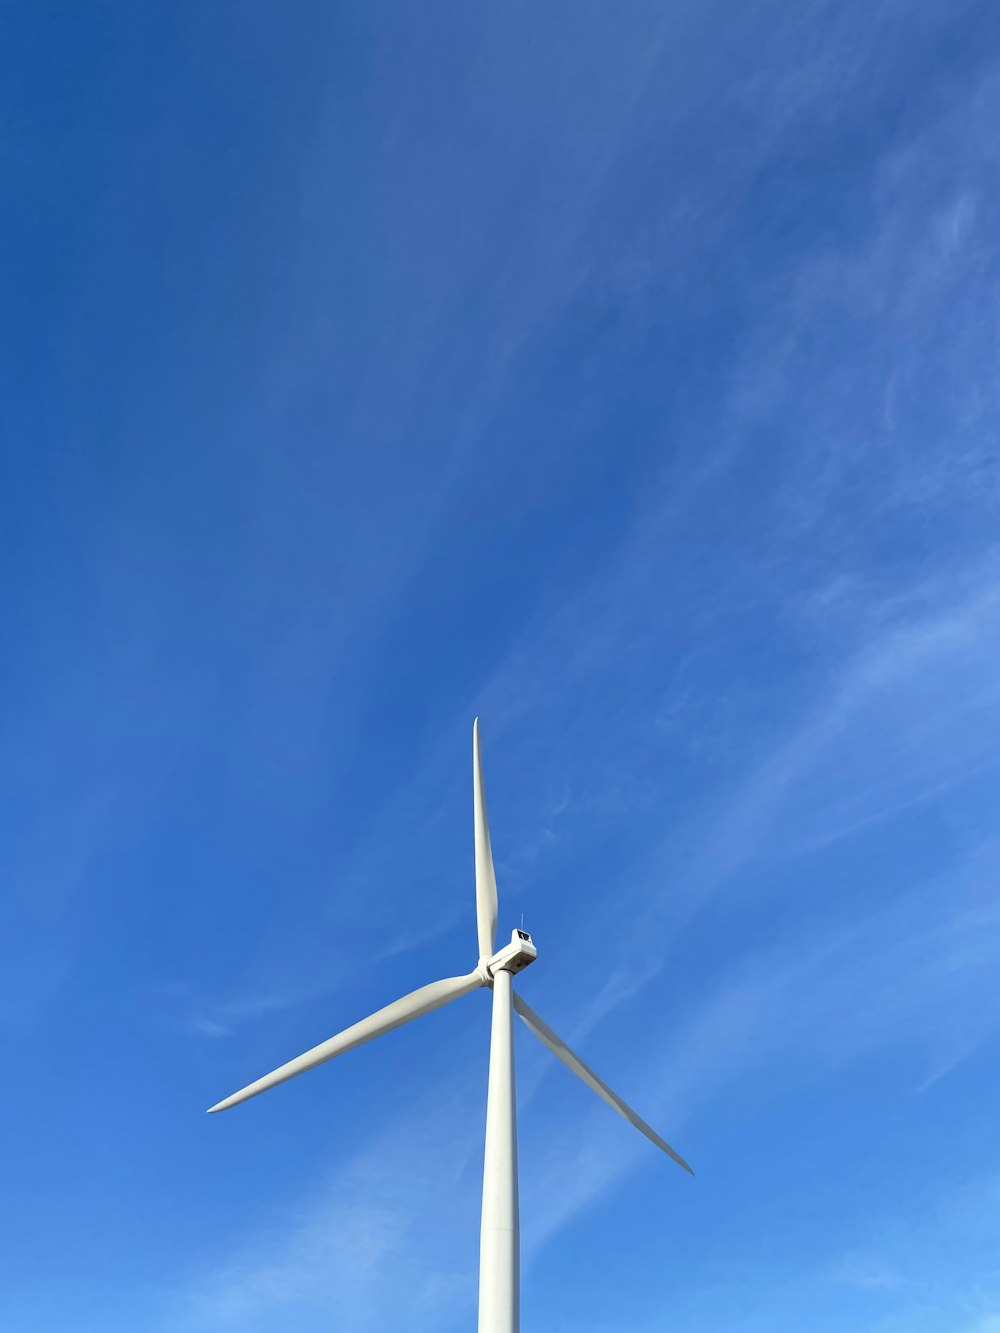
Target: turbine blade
point(411, 1006)
point(486, 880)
point(572, 1061)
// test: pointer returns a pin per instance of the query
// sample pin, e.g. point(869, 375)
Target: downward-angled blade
point(411, 1006)
point(572, 1061)
point(486, 880)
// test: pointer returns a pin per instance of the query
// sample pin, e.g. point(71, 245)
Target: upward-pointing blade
point(394, 1015)
point(486, 880)
point(572, 1061)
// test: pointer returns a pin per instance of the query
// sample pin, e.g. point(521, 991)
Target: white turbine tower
point(499, 1279)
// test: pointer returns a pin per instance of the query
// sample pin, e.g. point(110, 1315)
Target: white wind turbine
point(499, 1279)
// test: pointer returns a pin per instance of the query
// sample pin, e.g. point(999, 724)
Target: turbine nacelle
point(513, 957)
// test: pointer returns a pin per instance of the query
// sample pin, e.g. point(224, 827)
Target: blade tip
point(681, 1162)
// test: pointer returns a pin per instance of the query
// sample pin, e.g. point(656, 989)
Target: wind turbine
point(499, 1277)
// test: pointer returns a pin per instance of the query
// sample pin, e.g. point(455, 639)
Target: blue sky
point(626, 375)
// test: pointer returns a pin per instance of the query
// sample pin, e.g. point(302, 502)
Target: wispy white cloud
point(905, 712)
point(913, 973)
point(380, 1242)
point(914, 977)
point(921, 690)
point(201, 1015)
